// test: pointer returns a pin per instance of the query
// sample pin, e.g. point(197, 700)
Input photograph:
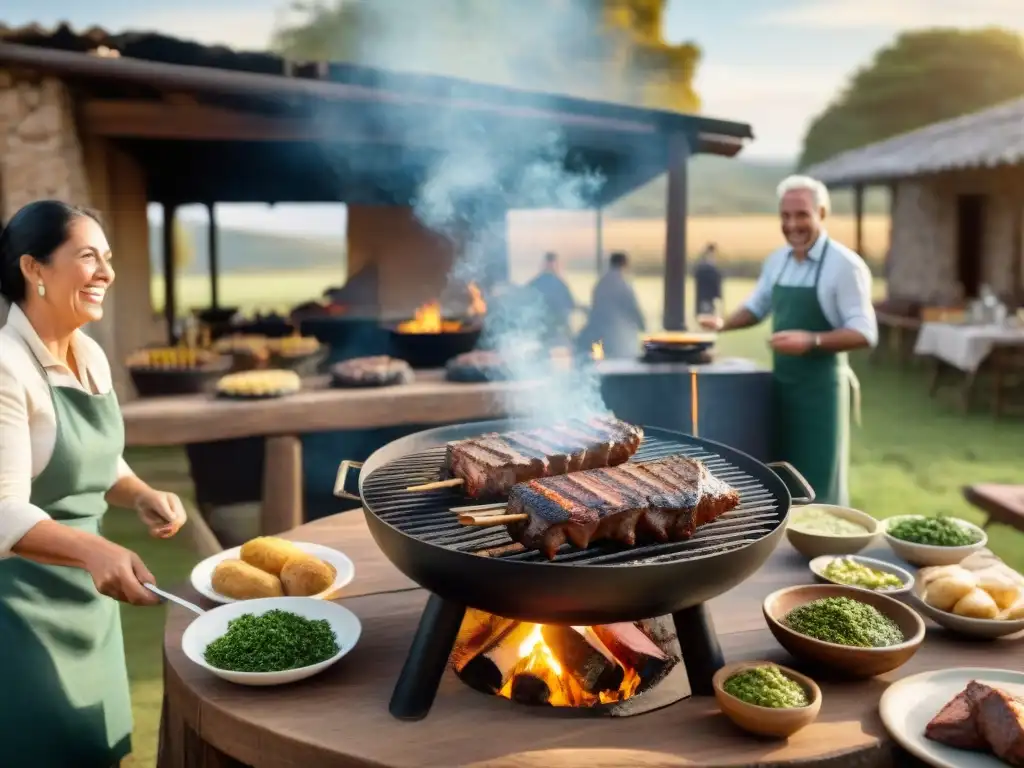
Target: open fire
point(597, 350)
point(558, 666)
point(430, 319)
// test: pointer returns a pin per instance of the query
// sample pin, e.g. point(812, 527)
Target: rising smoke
point(482, 169)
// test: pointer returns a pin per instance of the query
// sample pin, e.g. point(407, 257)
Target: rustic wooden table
point(185, 419)
point(1002, 503)
point(341, 717)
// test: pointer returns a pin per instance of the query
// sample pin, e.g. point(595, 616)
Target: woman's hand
point(118, 573)
point(161, 511)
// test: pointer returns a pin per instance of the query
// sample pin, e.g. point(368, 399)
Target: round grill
point(426, 515)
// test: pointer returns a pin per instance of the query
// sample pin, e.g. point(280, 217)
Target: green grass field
point(912, 455)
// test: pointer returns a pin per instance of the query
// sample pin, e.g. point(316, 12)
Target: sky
point(772, 63)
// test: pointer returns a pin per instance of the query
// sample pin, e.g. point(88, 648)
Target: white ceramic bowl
point(214, 623)
point(202, 574)
point(816, 544)
point(927, 554)
point(989, 629)
point(819, 564)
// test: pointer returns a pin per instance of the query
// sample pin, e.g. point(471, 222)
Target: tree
point(922, 78)
point(604, 49)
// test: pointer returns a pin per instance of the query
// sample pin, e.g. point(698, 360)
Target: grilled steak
point(491, 464)
point(956, 725)
point(1001, 722)
point(377, 371)
point(665, 500)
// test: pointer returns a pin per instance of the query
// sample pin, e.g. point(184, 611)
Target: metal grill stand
point(438, 629)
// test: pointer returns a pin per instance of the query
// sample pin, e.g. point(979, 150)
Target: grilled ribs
point(982, 718)
point(491, 464)
point(665, 500)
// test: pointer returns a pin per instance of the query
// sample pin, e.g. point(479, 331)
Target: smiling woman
point(61, 438)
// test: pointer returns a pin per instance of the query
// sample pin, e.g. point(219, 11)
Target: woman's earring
point(41, 289)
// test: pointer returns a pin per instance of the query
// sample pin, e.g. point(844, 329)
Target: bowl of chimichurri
point(862, 573)
point(766, 699)
point(933, 540)
point(826, 529)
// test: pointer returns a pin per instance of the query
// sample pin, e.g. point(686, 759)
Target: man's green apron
point(64, 697)
point(811, 394)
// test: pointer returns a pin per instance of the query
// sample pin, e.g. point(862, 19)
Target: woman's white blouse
point(28, 424)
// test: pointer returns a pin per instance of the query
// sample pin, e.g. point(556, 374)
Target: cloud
point(777, 100)
point(897, 14)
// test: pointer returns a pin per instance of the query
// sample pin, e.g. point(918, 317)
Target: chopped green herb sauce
point(272, 642)
point(934, 531)
point(844, 621)
point(766, 686)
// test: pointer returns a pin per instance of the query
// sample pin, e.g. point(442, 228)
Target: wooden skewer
point(453, 483)
point(477, 508)
point(490, 520)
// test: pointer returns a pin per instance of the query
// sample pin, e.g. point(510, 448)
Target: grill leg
point(428, 657)
point(702, 654)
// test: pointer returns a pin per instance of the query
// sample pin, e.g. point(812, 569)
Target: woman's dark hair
point(38, 229)
point(618, 260)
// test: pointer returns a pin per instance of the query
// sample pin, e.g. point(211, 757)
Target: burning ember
point(477, 305)
point(597, 350)
point(428, 318)
point(558, 666)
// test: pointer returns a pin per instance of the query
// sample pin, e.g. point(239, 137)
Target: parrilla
point(665, 500)
point(491, 464)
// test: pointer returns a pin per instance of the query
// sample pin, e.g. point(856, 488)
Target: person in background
point(557, 300)
point(65, 698)
point(615, 318)
point(818, 292)
point(708, 280)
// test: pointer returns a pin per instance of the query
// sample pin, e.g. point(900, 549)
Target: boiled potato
point(946, 592)
point(268, 553)
point(927, 575)
point(977, 604)
point(305, 575)
point(1000, 586)
point(239, 580)
point(1015, 612)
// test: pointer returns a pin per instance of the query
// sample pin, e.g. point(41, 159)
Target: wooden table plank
point(1002, 503)
point(341, 717)
point(188, 419)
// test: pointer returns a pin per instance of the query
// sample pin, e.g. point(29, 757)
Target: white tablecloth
point(964, 346)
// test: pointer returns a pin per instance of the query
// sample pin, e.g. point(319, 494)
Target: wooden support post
point(211, 234)
point(858, 219)
point(170, 276)
point(282, 485)
point(599, 240)
point(1017, 249)
point(674, 318)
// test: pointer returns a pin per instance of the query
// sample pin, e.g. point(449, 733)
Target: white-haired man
point(818, 292)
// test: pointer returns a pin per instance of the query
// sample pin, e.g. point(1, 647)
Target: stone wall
point(40, 154)
point(923, 251)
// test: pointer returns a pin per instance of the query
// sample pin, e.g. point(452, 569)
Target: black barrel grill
point(483, 568)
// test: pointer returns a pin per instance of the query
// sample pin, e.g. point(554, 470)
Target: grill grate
point(426, 516)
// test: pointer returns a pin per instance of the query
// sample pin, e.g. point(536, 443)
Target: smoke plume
point(483, 167)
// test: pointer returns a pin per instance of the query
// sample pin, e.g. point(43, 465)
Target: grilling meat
point(1001, 722)
point(956, 725)
point(377, 371)
point(491, 464)
point(982, 718)
point(665, 500)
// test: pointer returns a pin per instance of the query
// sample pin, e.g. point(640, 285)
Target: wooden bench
point(1002, 503)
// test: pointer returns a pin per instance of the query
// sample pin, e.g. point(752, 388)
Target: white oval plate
point(819, 564)
point(202, 574)
point(206, 628)
point(908, 705)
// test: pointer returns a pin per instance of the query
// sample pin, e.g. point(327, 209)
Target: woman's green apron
point(811, 394)
point(64, 697)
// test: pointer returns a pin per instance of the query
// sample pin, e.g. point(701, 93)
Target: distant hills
point(718, 187)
